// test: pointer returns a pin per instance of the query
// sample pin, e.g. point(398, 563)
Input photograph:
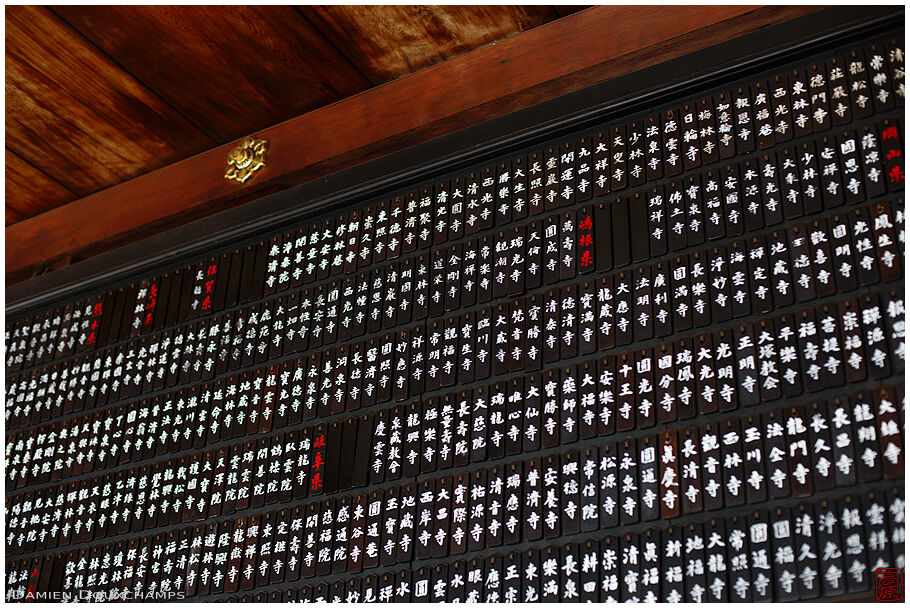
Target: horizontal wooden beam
point(563, 56)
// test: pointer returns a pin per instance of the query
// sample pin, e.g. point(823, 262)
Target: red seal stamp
point(889, 585)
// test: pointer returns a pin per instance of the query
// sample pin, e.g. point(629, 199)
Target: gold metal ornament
point(246, 159)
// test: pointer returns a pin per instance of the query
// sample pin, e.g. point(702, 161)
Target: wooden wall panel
point(77, 116)
point(29, 191)
point(386, 42)
point(229, 69)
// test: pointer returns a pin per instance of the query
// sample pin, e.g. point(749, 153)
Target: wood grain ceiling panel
point(29, 191)
point(567, 9)
point(230, 70)
point(386, 42)
point(77, 116)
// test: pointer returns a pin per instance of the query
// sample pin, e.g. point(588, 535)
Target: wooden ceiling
point(97, 95)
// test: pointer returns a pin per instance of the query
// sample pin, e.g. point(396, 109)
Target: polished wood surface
point(29, 190)
point(514, 73)
point(387, 42)
point(77, 116)
point(230, 70)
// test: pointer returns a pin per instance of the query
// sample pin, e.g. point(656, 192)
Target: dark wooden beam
point(546, 62)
